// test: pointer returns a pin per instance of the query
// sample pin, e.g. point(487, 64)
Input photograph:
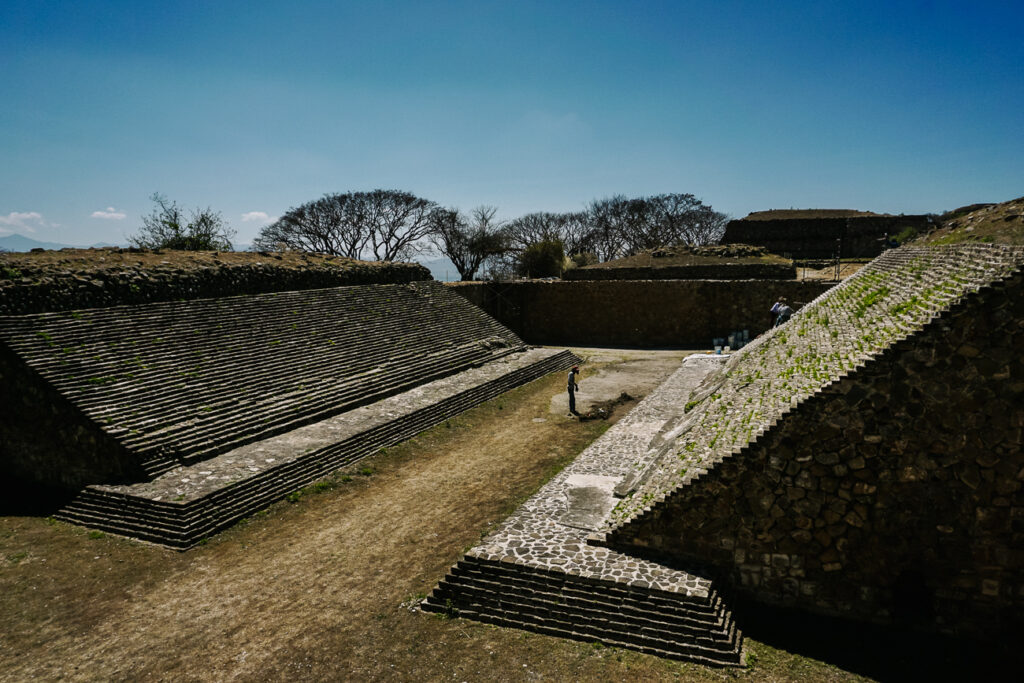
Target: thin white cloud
point(111, 214)
point(26, 221)
point(261, 217)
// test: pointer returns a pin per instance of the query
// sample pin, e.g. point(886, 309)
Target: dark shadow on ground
point(602, 410)
point(883, 653)
point(19, 498)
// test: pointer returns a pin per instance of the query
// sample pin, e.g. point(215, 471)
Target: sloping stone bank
point(537, 571)
point(188, 503)
point(177, 382)
point(865, 458)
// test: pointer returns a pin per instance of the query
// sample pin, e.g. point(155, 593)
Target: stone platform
point(188, 503)
point(538, 572)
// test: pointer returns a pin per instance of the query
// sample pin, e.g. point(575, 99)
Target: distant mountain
point(442, 269)
point(22, 243)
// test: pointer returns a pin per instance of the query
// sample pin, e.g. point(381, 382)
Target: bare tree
point(533, 228)
point(168, 227)
point(468, 242)
point(683, 219)
point(622, 226)
point(382, 225)
point(618, 225)
point(573, 230)
point(576, 233)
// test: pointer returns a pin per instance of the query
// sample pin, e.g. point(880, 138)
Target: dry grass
point(996, 223)
point(320, 588)
point(56, 263)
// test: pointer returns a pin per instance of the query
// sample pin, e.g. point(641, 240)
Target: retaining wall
point(803, 238)
point(736, 271)
point(93, 284)
point(638, 313)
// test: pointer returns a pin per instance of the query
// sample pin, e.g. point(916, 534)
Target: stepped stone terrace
point(175, 419)
point(862, 460)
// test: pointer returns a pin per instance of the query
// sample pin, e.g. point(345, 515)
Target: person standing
point(773, 312)
point(785, 312)
point(573, 388)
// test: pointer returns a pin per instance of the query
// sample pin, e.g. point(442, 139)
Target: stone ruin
point(862, 460)
point(822, 237)
point(173, 420)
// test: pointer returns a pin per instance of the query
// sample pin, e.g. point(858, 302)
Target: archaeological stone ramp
point(864, 459)
point(839, 463)
point(176, 418)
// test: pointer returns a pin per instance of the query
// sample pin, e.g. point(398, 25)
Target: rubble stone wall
point(95, 288)
point(803, 238)
point(740, 271)
point(639, 313)
point(895, 494)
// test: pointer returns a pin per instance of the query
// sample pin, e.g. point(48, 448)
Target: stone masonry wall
point(47, 289)
point(54, 441)
point(736, 271)
point(895, 494)
point(805, 238)
point(640, 313)
point(179, 382)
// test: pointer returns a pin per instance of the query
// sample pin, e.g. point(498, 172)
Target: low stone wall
point(52, 289)
point(810, 238)
point(640, 313)
point(740, 271)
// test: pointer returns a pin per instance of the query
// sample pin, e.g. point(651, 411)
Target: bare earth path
point(314, 589)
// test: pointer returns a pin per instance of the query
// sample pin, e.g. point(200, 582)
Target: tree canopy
point(618, 226)
point(468, 241)
point(168, 227)
point(380, 225)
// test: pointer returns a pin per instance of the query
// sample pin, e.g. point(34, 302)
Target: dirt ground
point(321, 587)
point(607, 373)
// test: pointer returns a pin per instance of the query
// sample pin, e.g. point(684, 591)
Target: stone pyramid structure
point(862, 460)
point(175, 419)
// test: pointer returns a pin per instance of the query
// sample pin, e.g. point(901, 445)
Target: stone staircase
point(538, 572)
point(832, 337)
point(189, 503)
point(562, 604)
point(180, 382)
point(229, 404)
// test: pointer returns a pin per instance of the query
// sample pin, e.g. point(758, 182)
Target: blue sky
point(255, 107)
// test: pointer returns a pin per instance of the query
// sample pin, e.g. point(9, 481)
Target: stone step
point(586, 604)
point(619, 596)
point(183, 524)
